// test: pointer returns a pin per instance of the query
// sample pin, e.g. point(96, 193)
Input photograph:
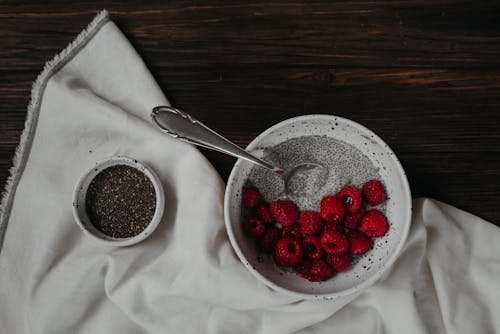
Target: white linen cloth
point(94, 101)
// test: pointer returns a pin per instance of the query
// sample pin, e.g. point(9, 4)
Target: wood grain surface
point(424, 75)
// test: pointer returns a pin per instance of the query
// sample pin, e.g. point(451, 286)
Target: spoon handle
point(183, 126)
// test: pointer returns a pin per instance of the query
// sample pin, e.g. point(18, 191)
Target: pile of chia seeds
point(346, 165)
point(120, 201)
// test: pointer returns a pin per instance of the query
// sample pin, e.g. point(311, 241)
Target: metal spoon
point(183, 126)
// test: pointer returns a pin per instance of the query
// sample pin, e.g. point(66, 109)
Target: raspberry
point(374, 192)
point(320, 271)
point(360, 242)
point(254, 227)
point(284, 211)
point(288, 252)
point(334, 243)
point(334, 227)
point(251, 197)
point(339, 262)
point(311, 248)
point(331, 209)
point(352, 220)
point(293, 232)
point(269, 240)
point(351, 197)
point(374, 224)
point(264, 213)
point(310, 222)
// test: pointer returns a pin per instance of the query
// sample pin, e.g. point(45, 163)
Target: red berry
point(360, 242)
point(336, 227)
point(264, 213)
point(320, 271)
point(351, 197)
point(339, 262)
point(310, 222)
point(334, 242)
point(254, 227)
point(352, 220)
point(331, 209)
point(292, 231)
point(374, 192)
point(268, 242)
point(374, 224)
point(251, 197)
point(284, 211)
point(311, 247)
point(288, 252)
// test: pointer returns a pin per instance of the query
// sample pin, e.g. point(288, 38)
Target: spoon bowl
point(304, 179)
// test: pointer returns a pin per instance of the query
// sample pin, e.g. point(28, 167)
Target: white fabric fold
point(186, 278)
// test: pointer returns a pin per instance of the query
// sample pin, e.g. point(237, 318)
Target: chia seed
point(120, 201)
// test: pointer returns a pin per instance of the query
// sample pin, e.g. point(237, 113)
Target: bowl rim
point(114, 161)
point(364, 284)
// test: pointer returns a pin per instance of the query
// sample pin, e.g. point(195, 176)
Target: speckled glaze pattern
point(369, 267)
point(80, 214)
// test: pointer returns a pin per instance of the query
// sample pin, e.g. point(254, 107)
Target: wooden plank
point(414, 110)
point(346, 33)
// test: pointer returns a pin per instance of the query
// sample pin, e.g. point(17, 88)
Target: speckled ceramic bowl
point(80, 214)
point(370, 266)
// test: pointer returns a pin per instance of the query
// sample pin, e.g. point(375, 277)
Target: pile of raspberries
point(317, 244)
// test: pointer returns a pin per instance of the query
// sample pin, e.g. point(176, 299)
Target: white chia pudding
point(346, 165)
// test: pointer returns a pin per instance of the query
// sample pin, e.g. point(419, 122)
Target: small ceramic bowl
point(370, 267)
point(80, 214)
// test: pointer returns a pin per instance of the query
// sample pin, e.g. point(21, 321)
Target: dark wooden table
point(424, 75)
